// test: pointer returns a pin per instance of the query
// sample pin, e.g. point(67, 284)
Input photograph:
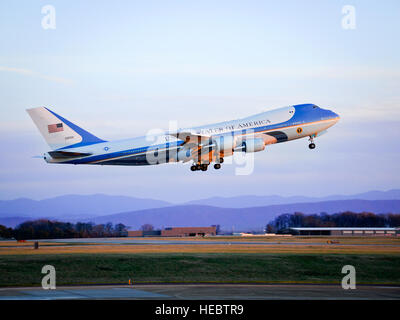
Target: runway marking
point(106, 293)
point(205, 291)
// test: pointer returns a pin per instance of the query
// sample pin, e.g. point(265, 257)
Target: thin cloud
point(340, 72)
point(31, 73)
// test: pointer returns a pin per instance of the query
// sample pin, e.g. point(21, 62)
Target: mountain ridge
point(244, 200)
point(240, 218)
point(99, 207)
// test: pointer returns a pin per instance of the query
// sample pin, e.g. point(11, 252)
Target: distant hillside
point(12, 222)
point(201, 212)
point(247, 201)
point(240, 218)
point(75, 206)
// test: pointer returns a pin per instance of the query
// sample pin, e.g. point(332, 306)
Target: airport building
point(141, 233)
point(346, 231)
point(176, 232)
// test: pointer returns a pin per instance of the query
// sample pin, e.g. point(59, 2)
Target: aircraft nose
point(335, 115)
point(331, 115)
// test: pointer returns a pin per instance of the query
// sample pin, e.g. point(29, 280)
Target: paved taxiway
point(205, 292)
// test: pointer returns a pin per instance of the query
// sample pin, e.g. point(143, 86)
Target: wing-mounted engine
point(251, 145)
point(207, 149)
point(184, 154)
point(225, 145)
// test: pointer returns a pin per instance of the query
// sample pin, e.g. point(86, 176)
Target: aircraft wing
point(190, 137)
point(67, 154)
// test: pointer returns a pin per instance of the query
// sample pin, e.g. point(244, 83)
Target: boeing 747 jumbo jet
point(201, 145)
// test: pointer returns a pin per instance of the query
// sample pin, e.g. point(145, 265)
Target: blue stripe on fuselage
point(128, 152)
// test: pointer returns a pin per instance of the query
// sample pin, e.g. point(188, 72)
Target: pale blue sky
point(120, 68)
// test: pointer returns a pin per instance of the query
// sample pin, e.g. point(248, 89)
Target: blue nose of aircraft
point(329, 114)
point(335, 115)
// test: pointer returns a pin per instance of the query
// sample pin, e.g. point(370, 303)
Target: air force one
point(202, 145)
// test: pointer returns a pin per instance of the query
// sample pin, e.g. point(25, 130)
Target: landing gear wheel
point(204, 167)
point(193, 168)
point(312, 144)
point(198, 166)
point(221, 160)
point(217, 166)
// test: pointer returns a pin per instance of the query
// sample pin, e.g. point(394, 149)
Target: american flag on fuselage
point(55, 127)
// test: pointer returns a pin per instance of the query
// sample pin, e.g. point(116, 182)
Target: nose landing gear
point(312, 144)
point(218, 164)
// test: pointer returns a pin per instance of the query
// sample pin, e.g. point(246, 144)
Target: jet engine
point(225, 144)
point(253, 145)
point(184, 155)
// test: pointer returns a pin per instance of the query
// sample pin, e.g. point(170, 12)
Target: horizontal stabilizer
point(66, 154)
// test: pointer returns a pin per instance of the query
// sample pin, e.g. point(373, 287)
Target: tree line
point(47, 229)
point(343, 219)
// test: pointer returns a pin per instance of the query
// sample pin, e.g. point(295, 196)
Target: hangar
point(333, 231)
point(189, 232)
point(176, 232)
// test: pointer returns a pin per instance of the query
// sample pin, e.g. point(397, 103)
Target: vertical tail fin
point(58, 132)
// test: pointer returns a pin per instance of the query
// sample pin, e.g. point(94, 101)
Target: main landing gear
point(204, 166)
point(312, 144)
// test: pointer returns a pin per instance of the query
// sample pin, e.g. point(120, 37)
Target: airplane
point(202, 145)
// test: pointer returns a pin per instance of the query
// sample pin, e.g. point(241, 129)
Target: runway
point(205, 292)
point(136, 241)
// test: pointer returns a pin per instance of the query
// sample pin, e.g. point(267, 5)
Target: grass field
point(377, 261)
point(25, 270)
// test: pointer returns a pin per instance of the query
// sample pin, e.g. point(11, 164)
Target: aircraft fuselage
point(270, 127)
